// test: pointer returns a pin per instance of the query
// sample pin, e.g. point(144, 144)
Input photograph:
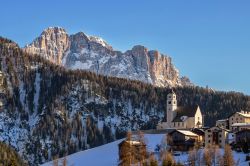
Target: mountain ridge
point(81, 51)
point(49, 111)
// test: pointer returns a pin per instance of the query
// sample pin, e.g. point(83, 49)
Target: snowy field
point(107, 155)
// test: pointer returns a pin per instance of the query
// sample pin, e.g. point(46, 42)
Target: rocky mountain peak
point(54, 30)
point(81, 51)
point(52, 44)
point(79, 41)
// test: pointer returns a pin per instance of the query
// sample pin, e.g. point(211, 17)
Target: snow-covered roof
point(222, 120)
point(245, 114)
point(186, 132)
point(241, 124)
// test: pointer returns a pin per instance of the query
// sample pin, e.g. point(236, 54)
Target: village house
point(181, 117)
point(216, 136)
point(239, 117)
point(183, 140)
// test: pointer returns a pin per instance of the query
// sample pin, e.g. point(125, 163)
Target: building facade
point(239, 117)
point(216, 136)
point(182, 140)
point(240, 126)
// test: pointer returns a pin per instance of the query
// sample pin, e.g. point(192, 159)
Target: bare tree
point(207, 158)
point(64, 162)
point(195, 157)
point(55, 162)
point(168, 160)
point(228, 156)
point(212, 156)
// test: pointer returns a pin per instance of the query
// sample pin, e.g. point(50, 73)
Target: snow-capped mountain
point(48, 111)
point(80, 51)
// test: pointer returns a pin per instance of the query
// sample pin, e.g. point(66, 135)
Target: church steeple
point(171, 107)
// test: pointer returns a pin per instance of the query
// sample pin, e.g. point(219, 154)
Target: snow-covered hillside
point(107, 155)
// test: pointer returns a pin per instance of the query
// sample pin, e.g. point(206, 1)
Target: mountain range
point(49, 111)
point(81, 51)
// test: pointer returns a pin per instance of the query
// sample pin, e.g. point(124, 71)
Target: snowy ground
point(107, 155)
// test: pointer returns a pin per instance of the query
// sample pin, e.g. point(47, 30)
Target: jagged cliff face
point(52, 44)
point(80, 51)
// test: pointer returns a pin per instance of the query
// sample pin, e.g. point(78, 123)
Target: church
point(181, 117)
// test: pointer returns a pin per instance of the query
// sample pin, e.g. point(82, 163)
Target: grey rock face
point(80, 51)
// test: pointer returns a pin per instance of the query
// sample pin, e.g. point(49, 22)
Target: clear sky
point(209, 41)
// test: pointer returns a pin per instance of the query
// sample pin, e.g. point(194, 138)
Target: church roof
point(183, 112)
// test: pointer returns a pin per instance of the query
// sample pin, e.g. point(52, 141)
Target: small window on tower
point(174, 102)
point(169, 102)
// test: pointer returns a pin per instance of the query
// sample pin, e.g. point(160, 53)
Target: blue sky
point(209, 41)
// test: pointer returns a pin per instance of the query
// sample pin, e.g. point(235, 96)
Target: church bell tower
point(171, 107)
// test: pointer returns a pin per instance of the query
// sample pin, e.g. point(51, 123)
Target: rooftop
point(188, 133)
point(245, 114)
point(184, 112)
point(222, 120)
point(241, 124)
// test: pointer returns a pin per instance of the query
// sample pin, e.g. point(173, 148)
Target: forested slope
point(51, 112)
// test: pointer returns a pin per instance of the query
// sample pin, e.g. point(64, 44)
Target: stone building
point(181, 117)
point(216, 136)
point(239, 117)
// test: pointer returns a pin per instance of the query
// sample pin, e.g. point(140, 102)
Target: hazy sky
point(209, 41)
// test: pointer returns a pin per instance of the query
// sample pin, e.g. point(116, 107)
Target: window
point(208, 135)
point(169, 102)
point(208, 130)
point(220, 135)
point(208, 141)
point(220, 141)
point(174, 102)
